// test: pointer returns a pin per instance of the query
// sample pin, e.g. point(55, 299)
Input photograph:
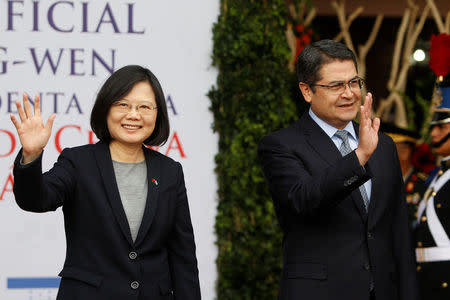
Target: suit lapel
point(154, 180)
point(104, 164)
point(319, 140)
point(372, 167)
point(325, 147)
point(356, 194)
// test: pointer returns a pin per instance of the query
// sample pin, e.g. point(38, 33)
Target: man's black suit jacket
point(331, 246)
point(102, 261)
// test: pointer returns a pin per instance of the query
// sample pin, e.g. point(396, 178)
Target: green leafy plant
point(252, 97)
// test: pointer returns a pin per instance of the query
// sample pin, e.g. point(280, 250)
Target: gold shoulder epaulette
point(422, 175)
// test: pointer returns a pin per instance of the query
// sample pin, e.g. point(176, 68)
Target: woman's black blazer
point(102, 261)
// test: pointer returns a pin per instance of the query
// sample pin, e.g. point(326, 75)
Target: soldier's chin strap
point(441, 142)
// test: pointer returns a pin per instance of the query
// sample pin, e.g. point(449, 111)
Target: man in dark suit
point(338, 190)
point(433, 228)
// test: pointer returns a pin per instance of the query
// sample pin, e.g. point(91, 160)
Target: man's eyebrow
point(342, 81)
point(336, 82)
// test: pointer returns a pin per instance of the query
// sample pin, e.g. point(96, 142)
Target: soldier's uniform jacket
point(432, 237)
point(414, 190)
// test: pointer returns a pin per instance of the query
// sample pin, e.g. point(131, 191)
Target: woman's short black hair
point(115, 88)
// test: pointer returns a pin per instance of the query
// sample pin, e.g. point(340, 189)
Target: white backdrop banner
point(64, 51)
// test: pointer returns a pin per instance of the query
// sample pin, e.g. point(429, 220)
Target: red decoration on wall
point(440, 54)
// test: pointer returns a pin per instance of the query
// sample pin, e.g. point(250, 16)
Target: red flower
point(299, 28)
point(440, 54)
point(302, 39)
point(423, 159)
point(299, 47)
point(306, 39)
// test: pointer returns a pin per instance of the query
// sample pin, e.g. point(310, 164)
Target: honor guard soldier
point(433, 228)
point(414, 171)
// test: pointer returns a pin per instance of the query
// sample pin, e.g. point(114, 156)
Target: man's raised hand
point(368, 131)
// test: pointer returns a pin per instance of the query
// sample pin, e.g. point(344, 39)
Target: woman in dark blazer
point(126, 214)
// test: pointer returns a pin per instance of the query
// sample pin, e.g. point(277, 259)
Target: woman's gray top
point(131, 180)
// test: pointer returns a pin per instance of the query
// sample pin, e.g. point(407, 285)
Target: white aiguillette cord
point(437, 230)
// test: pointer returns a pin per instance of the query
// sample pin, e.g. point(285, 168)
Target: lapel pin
point(154, 181)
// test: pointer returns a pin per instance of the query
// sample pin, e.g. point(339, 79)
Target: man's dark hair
point(317, 54)
point(119, 84)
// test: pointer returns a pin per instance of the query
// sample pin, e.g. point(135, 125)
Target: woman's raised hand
point(33, 134)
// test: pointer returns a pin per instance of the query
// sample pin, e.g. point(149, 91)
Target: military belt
point(431, 254)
